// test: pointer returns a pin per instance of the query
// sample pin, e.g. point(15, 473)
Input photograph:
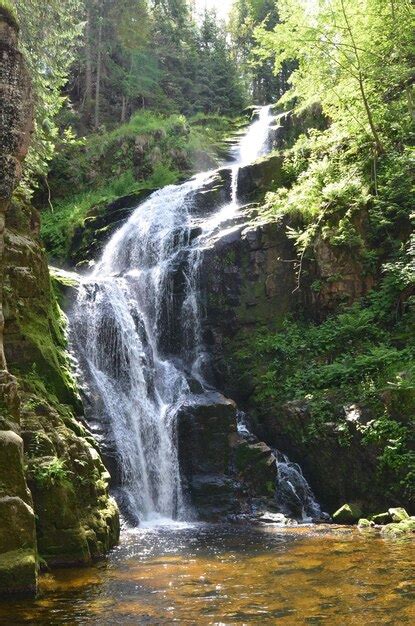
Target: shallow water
point(211, 574)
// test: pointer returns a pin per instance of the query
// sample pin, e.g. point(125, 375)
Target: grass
point(148, 152)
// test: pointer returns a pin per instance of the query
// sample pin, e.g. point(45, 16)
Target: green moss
point(246, 456)
point(8, 13)
point(18, 572)
point(148, 152)
point(44, 328)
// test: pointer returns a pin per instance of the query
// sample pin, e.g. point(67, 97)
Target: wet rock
point(12, 480)
point(215, 192)
point(18, 569)
point(257, 467)
point(347, 514)
point(101, 222)
point(206, 425)
point(273, 518)
point(396, 530)
point(365, 523)
point(382, 518)
point(258, 177)
point(398, 514)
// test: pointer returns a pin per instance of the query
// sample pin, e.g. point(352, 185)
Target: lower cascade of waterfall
point(293, 493)
point(294, 498)
point(136, 333)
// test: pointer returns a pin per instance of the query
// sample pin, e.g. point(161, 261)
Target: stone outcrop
point(54, 500)
point(224, 474)
point(16, 125)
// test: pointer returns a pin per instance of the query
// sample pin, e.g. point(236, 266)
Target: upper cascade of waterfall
point(136, 332)
point(255, 142)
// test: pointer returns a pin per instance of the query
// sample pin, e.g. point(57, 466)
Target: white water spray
point(136, 333)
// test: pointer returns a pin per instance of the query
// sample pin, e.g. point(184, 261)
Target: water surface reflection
point(211, 574)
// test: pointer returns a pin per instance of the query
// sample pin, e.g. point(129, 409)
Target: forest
point(207, 311)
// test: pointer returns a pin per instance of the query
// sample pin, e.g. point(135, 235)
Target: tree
point(246, 15)
point(354, 57)
point(48, 35)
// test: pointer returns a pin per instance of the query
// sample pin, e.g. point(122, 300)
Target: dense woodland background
point(108, 73)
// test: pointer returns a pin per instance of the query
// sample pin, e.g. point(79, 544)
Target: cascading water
point(136, 332)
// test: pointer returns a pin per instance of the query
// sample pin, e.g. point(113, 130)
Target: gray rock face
point(249, 282)
point(54, 456)
point(260, 176)
point(17, 522)
point(206, 425)
point(16, 125)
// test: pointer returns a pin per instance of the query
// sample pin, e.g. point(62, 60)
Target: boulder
point(216, 191)
point(382, 518)
point(398, 514)
point(402, 529)
point(12, 480)
point(18, 566)
point(257, 467)
point(206, 423)
point(365, 523)
point(18, 573)
point(17, 525)
point(347, 514)
point(257, 178)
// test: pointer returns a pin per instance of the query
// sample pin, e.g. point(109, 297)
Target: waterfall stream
point(136, 332)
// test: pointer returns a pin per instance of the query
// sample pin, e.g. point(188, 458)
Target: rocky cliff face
point(54, 499)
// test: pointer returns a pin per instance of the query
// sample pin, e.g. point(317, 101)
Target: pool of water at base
point(231, 574)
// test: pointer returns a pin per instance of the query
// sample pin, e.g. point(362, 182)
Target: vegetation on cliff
point(350, 195)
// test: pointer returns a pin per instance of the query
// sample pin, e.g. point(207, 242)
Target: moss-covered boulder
point(347, 514)
point(18, 555)
point(398, 514)
point(397, 530)
point(12, 480)
point(364, 523)
point(77, 521)
point(255, 179)
point(18, 573)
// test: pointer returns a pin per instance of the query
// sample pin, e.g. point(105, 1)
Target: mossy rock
point(365, 523)
point(17, 525)
point(402, 529)
point(347, 514)
point(382, 518)
point(18, 573)
point(12, 481)
point(398, 514)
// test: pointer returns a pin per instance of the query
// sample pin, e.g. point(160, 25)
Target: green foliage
point(354, 58)
point(136, 55)
point(258, 72)
point(148, 152)
point(48, 36)
point(363, 355)
point(53, 472)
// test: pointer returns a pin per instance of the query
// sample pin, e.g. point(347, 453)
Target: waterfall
point(136, 333)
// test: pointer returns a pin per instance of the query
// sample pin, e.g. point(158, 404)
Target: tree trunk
point(98, 76)
point(88, 66)
point(123, 109)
